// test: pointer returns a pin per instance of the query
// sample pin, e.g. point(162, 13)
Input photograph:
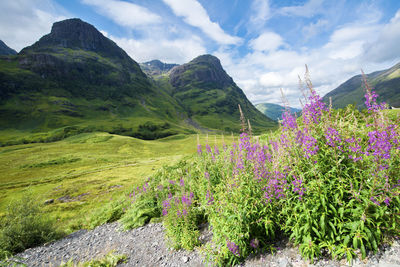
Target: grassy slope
point(100, 165)
point(386, 83)
point(273, 111)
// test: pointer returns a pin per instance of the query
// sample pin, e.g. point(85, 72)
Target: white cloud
point(271, 79)
point(261, 12)
point(314, 28)
point(36, 18)
point(309, 9)
point(194, 14)
point(267, 41)
point(180, 50)
point(124, 13)
point(387, 44)
point(261, 73)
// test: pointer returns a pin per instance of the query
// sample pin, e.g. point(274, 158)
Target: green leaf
point(346, 240)
point(355, 243)
point(363, 253)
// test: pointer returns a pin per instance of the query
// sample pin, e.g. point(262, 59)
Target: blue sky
point(262, 44)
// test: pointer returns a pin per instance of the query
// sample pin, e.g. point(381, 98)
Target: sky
point(263, 45)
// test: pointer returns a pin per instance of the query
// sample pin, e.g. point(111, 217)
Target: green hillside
point(274, 111)
point(211, 97)
point(386, 83)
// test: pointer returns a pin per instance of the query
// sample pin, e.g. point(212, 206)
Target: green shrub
point(25, 225)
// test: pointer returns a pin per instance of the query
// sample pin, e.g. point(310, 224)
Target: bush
point(328, 180)
point(25, 225)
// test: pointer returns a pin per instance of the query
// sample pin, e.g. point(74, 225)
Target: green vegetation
point(25, 225)
point(109, 260)
point(329, 181)
point(104, 165)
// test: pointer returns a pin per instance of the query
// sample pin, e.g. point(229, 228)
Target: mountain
point(5, 50)
point(274, 111)
point(211, 97)
point(385, 83)
point(75, 79)
point(156, 67)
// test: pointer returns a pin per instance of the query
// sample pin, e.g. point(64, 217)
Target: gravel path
point(145, 246)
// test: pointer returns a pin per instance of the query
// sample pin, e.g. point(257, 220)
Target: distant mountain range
point(274, 111)
point(156, 67)
point(5, 50)
point(74, 79)
point(386, 83)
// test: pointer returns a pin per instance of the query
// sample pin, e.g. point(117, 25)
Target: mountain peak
point(205, 69)
point(77, 34)
point(207, 58)
point(5, 50)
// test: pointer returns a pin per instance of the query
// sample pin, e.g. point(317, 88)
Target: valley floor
point(82, 173)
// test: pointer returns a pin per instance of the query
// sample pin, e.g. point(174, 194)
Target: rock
point(49, 201)
point(185, 259)
point(283, 262)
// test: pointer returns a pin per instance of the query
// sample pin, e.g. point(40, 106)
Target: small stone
point(49, 201)
point(155, 244)
point(283, 262)
point(185, 259)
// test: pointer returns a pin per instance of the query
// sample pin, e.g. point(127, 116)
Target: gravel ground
point(145, 246)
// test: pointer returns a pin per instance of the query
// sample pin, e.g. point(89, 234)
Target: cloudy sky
point(263, 44)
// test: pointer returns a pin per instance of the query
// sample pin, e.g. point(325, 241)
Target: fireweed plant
point(329, 180)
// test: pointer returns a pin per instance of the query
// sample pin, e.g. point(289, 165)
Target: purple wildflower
point(209, 197)
point(254, 243)
point(166, 206)
point(298, 187)
point(379, 145)
point(233, 248)
point(216, 150)
point(374, 201)
point(312, 111)
point(333, 138)
point(208, 148)
point(310, 146)
point(387, 201)
point(199, 150)
point(288, 121)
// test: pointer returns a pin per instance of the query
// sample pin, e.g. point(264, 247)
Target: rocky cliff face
point(5, 50)
point(76, 35)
